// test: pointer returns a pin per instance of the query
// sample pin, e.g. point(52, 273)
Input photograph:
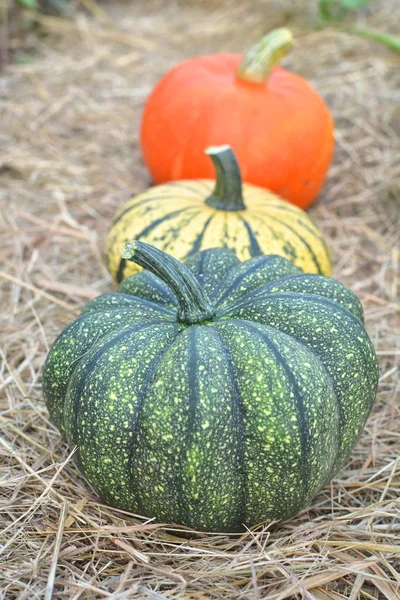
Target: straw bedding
point(70, 110)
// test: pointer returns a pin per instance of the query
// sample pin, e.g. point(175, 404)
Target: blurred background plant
point(335, 11)
point(62, 7)
point(20, 18)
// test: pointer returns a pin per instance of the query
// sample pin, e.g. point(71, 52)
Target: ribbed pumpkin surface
point(233, 420)
point(175, 218)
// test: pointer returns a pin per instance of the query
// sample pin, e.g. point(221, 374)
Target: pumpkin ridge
point(148, 378)
point(109, 344)
point(255, 449)
point(143, 301)
point(298, 399)
point(146, 231)
point(81, 319)
point(168, 299)
point(240, 428)
point(319, 237)
point(340, 310)
point(201, 266)
point(162, 219)
point(197, 242)
point(299, 340)
point(254, 248)
point(183, 183)
point(259, 204)
point(193, 400)
point(269, 231)
point(244, 273)
point(313, 230)
point(284, 295)
point(357, 312)
point(214, 295)
point(297, 234)
point(150, 229)
point(134, 205)
point(88, 308)
point(259, 200)
point(60, 361)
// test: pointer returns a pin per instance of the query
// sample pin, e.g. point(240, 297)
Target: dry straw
point(69, 160)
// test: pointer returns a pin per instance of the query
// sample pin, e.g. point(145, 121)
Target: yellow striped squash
point(184, 217)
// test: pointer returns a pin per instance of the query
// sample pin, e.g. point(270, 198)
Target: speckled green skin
point(233, 421)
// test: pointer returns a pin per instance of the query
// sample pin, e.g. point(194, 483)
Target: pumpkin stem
point(259, 59)
point(227, 194)
point(194, 304)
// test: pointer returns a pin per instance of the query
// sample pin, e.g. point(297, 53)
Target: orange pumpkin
point(278, 126)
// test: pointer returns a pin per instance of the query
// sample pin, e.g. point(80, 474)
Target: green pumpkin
point(217, 394)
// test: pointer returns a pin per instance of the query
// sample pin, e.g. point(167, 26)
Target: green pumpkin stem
point(227, 194)
point(194, 304)
point(259, 59)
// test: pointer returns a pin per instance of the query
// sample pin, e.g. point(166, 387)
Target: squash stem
point(194, 304)
point(259, 59)
point(227, 194)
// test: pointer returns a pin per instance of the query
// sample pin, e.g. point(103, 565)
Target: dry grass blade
point(131, 551)
point(66, 289)
point(38, 292)
point(69, 159)
point(57, 546)
point(315, 581)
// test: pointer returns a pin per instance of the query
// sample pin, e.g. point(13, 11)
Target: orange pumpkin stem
point(259, 59)
point(227, 194)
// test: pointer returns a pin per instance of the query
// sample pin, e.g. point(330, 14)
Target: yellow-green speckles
point(107, 434)
point(96, 321)
point(231, 422)
point(279, 410)
point(306, 283)
point(296, 315)
point(195, 440)
point(253, 274)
